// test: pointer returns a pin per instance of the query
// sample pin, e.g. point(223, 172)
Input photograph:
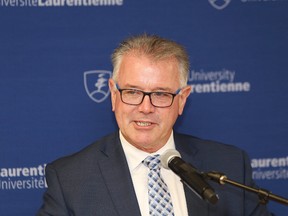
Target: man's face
point(145, 126)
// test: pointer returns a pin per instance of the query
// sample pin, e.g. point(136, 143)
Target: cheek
point(116, 102)
point(122, 113)
point(168, 118)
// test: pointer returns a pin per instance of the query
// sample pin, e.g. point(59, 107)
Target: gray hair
point(156, 48)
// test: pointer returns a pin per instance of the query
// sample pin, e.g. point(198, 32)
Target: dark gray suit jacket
point(96, 181)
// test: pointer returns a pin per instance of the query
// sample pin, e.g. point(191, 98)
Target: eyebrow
point(164, 89)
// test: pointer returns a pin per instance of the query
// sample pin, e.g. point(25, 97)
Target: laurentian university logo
point(219, 4)
point(96, 84)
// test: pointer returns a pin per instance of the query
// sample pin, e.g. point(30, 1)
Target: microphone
point(189, 175)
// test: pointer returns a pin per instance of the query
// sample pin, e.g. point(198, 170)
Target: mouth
point(143, 124)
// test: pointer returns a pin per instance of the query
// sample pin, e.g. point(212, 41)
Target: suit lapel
point(196, 206)
point(116, 174)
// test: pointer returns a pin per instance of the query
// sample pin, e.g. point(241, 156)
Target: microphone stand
point(264, 195)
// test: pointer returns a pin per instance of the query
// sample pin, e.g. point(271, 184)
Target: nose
point(146, 105)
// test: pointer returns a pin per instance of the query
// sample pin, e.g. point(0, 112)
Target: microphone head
point(167, 156)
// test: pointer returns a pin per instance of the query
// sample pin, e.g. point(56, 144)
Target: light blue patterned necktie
point(160, 203)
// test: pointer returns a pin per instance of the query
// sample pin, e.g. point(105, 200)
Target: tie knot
point(152, 162)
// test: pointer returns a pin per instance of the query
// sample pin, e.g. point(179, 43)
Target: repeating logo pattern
point(219, 4)
point(96, 84)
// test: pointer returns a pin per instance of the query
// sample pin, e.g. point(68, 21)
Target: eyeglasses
point(157, 99)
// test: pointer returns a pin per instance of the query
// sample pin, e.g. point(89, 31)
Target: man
point(110, 177)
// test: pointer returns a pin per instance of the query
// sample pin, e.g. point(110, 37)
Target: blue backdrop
point(52, 53)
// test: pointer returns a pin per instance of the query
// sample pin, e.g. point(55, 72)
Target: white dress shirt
point(139, 175)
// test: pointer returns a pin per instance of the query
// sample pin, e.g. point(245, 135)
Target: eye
point(132, 92)
point(161, 94)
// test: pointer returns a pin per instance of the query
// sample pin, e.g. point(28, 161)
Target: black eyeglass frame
point(149, 95)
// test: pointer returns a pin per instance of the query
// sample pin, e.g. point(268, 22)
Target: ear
point(185, 92)
point(113, 93)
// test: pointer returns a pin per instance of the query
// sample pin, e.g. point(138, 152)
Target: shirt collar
point(135, 156)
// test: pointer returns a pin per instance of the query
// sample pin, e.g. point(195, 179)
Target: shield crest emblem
point(96, 84)
point(219, 4)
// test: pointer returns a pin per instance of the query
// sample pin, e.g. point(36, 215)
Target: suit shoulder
point(85, 156)
point(205, 144)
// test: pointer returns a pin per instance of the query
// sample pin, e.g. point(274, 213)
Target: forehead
point(142, 70)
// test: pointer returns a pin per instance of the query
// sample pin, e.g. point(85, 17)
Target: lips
point(143, 124)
